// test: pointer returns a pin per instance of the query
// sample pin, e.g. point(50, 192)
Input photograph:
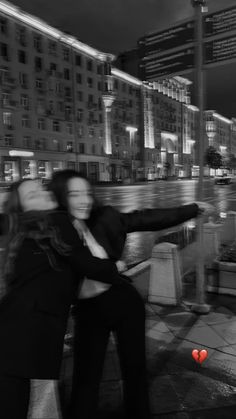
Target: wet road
point(162, 194)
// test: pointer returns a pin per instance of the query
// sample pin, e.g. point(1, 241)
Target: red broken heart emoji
point(199, 355)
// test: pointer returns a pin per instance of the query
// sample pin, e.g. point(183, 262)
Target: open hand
point(121, 266)
point(205, 208)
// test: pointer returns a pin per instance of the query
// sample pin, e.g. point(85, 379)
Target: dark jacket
point(33, 315)
point(110, 227)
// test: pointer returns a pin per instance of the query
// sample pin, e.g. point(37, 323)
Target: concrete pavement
point(180, 388)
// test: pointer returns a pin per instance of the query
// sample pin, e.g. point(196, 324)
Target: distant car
point(223, 179)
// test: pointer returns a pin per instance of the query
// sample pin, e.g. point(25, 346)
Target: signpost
point(200, 306)
point(218, 22)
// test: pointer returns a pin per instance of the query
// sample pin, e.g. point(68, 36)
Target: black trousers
point(14, 397)
point(121, 310)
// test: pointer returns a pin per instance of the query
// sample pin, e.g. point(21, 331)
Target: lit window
point(7, 118)
point(5, 99)
point(80, 131)
point(91, 132)
point(69, 146)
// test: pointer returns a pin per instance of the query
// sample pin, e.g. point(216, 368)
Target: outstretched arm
point(158, 218)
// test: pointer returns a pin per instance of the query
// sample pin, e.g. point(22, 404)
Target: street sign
point(169, 64)
point(218, 22)
point(223, 49)
point(168, 39)
point(171, 52)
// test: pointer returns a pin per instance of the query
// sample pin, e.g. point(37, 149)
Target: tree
point(212, 158)
point(231, 162)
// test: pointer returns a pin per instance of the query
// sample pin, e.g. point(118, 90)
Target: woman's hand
point(121, 266)
point(205, 208)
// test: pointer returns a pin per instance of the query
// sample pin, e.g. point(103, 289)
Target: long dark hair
point(59, 187)
point(36, 225)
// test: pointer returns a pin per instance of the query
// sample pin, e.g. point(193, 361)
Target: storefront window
point(57, 165)
point(11, 170)
point(44, 169)
point(29, 169)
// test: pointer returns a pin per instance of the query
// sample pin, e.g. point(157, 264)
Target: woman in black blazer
point(39, 284)
point(102, 309)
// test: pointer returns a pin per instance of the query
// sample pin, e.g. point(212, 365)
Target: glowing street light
point(131, 131)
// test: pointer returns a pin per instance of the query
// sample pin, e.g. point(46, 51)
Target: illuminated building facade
point(63, 104)
point(221, 134)
point(52, 103)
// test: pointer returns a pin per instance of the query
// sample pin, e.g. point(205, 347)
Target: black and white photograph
point(118, 209)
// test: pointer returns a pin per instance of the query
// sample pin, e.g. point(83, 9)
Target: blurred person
point(42, 249)
point(102, 308)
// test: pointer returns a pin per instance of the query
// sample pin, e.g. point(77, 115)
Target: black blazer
point(110, 227)
point(33, 315)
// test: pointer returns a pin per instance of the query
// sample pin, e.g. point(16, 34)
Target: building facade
point(63, 104)
point(52, 110)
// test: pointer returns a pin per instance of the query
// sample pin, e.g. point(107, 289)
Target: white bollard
point(211, 234)
point(165, 285)
point(228, 230)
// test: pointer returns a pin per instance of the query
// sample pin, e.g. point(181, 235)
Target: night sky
point(115, 26)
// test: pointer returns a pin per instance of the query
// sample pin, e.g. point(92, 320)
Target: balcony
point(8, 81)
point(9, 104)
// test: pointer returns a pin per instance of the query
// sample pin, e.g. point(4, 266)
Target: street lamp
point(131, 131)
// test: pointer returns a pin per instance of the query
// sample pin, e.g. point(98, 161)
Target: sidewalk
point(179, 387)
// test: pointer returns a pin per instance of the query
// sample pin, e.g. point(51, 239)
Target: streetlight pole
point(199, 5)
point(131, 131)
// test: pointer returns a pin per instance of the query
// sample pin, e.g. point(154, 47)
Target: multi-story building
point(220, 134)
point(52, 91)
point(64, 105)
